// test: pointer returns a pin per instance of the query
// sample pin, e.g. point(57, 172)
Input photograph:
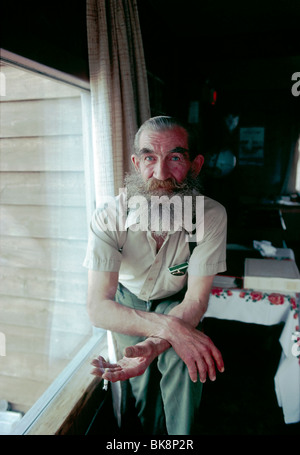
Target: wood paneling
point(27, 118)
point(51, 153)
point(32, 313)
point(35, 253)
point(43, 222)
point(43, 188)
point(43, 284)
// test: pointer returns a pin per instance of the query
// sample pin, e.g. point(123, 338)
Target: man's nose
point(161, 170)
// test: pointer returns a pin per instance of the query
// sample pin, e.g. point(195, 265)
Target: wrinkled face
point(164, 157)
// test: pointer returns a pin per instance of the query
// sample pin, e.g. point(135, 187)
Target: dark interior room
point(228, 68)
point(244, 55)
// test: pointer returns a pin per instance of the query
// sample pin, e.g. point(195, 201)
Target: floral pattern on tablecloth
point(273, 298)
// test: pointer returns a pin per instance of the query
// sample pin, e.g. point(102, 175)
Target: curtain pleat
point(119, 89)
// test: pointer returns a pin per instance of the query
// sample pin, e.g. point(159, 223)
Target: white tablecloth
point(268, 309)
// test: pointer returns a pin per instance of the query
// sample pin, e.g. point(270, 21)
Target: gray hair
point(163, 123)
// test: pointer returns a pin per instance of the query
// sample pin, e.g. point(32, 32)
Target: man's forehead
point(176, 137)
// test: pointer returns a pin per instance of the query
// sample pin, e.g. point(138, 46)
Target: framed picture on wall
point(251, 146)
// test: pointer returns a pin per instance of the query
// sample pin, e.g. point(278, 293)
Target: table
point(268, 308)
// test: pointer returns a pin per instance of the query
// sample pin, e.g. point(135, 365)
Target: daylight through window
point(43, 234)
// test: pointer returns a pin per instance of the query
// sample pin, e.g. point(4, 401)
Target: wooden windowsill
point(71, 399)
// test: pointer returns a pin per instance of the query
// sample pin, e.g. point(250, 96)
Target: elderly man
point(149, 287)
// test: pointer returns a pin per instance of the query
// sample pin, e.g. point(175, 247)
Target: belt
point(152, 304)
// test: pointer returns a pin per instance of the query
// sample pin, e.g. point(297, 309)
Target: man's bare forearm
point(162, 331)
point(111, 315)
point(106, 313)
point(158, 328)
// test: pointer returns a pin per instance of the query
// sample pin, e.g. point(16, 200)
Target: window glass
point(43, 235)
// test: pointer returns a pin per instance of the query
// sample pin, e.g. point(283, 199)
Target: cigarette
point(105, 381)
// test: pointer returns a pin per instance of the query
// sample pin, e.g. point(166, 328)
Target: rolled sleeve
point(209, 256)
point(103, 249)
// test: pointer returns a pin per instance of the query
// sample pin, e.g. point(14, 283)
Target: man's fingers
point(193, 371)
point(102, 367)
point(115, 375)
point(204, 363)
point(218, 359)
point(97, 372)
point(213, 358)
point(210, 367)
point(203, 367)
point(136, 351)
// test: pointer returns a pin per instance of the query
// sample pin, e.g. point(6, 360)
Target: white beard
point(162, 210)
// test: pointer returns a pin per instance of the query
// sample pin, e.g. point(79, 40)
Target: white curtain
point(120, 102)
point(119, 89)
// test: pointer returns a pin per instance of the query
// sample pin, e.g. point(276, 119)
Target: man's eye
point(149, 158)
point(175, 158)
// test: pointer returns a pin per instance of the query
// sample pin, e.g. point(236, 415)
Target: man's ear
point(136, 162)
point(197, 164)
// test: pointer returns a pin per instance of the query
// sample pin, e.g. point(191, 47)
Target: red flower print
point(243, 294)
point(276, 299)
point(256, 296)
point(216, 291)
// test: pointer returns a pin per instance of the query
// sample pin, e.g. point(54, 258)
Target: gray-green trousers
point(166, 399)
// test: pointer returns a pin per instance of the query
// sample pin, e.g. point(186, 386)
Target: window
point(46, 200)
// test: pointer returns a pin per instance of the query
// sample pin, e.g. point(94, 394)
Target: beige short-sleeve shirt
point(117, 243)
